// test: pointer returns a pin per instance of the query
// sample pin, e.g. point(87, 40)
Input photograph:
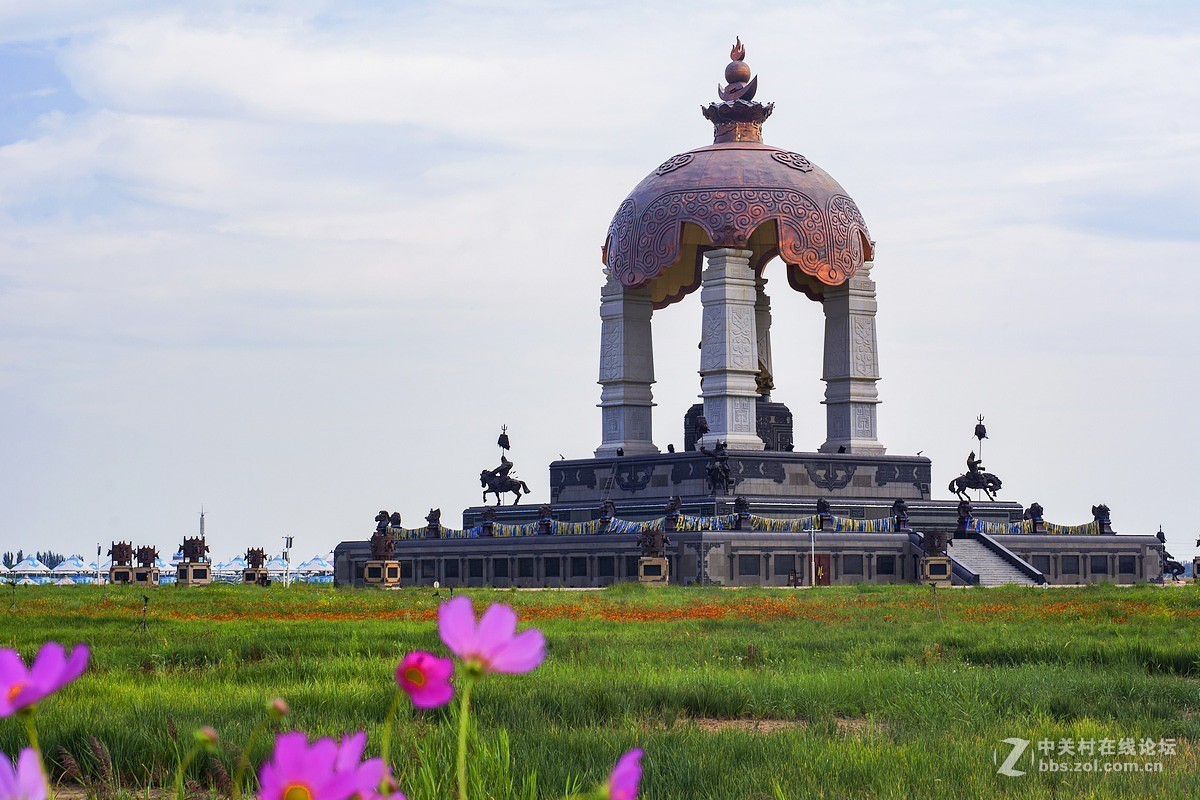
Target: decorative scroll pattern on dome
point(619, 232)
point(793, 160)
point(673, 163)
point(826, 243)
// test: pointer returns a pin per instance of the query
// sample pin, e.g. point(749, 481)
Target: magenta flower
point(21, 688)
point(494, 644)
point(623, 780)
point(368, 776)
point(26, 781)
point(426, 678)
point(298, 771)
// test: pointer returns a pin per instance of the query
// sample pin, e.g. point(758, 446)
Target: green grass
point(862, 692)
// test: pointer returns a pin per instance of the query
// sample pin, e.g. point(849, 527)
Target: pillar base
point(253, 577)
point(733, 441)
point(654, 571)
point(936, 571)
point(198, 574)
point(632, 448)
point(120, 575)
point(146, 576)
point(382, 573)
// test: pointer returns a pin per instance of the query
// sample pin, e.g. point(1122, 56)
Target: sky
point(298, 262)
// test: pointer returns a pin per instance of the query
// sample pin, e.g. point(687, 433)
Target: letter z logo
point(1019, 746)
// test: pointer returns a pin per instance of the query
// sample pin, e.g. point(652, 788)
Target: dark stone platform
point(765, 474)
point(775, 484)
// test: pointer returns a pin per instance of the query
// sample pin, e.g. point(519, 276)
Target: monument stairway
point(991, 568)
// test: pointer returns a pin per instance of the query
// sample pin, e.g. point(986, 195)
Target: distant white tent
point(27, 582)
point(315, 566)
point(3, 569)
point(30, 566)
point(64, 582)
point(232, 566)
point(276, 566)
point(72, 566)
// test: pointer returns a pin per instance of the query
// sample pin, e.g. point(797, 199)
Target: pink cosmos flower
point(298, 771)
point(368, 776)
point(494, 644)
point(426, 678)
point(623, 780)
point(52, 669)
point(26, 781)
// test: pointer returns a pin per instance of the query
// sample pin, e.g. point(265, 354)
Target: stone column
point(729, 350)
point(762, 326)
point(851, 366)
point(626, 370)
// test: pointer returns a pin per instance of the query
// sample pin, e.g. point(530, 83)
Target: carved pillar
point(762, 327)
point(851, 366)
point(729, 350)
point(626, 370)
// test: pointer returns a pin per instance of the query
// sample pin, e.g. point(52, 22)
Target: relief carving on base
point(741, 343)
point(864, 346)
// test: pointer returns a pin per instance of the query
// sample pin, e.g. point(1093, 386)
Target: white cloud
point(300, 263)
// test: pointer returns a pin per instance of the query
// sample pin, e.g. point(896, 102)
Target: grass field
point(845, 692)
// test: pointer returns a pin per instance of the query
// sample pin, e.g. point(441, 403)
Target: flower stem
point(31, 732)
point(183, 765)
point(244, 762)
point(385, 742)
point(464, 717)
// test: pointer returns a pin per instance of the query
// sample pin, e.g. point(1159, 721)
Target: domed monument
point(742, 503)
point(712, 219)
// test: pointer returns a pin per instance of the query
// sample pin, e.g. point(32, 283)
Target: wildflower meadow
point(311, 693)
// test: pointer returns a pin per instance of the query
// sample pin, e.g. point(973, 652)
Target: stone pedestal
point(851, 366)
point(120, 575)
point(251, 577)
point(382, 573)
point(195, 573)
point(654, 571)
point(146, 576)
point(936, 571)
point(1196, 569)
point(729, 350)
point(626, 371)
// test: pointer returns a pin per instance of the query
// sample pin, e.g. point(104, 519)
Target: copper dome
point(737, 192)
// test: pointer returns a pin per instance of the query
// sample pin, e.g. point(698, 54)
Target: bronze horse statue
point(496, 481)
point(975, 478)
point(986, 481)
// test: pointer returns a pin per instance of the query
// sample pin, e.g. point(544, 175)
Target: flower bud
point(278, 707)
point(206, 736)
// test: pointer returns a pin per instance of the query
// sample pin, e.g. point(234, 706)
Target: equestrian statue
point(975, 478)
point(497, 481)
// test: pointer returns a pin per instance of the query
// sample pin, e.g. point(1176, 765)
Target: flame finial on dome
point(737, 118)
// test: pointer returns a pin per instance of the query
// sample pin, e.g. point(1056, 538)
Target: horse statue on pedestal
point(496, 481)
point(975, 478)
